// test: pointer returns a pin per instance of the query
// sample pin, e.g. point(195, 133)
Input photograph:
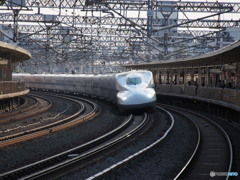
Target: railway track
point(111, 171)
point(196, 167)
point(29, 103)
point(211, 155)
point(79, 153)
point(41, 104)
point(80, 116)
point(213, 151)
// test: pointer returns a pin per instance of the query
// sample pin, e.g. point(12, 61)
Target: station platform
point(221, 102)
point(213, 78)
point(11, 91)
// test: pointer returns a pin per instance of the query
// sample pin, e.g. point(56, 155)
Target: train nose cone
point(143, 96)
point(137, 96)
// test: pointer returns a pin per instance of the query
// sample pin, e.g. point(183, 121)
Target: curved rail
point(195, 156)
point(15, 115)
point(60, 160)
point(128, 159)
point(43, 104)
point(49, 128)
point(22, 108)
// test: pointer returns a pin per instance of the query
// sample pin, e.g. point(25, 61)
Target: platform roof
point(13, 53)
point(227, 55)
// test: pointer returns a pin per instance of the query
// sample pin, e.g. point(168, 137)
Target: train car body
point(130, 90)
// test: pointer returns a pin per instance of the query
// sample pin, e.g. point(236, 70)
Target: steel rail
point(193, 158)
point(5, 118)
point(52, 127)
point(194, 154)
point(96, 150)
point(28, 112)
point(45, 126)
point(128, 159)
point(40, 110)
point(21, 108)
point(60, 160)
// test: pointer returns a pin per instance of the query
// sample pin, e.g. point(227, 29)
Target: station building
point(210, 82)
point(11, 91)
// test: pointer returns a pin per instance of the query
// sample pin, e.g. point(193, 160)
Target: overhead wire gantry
point(86, 31)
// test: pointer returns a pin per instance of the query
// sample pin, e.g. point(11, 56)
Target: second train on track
point(130, 90)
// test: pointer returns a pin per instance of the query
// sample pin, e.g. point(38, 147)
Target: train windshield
point(134, 80)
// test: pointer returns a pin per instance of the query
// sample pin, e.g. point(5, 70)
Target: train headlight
point(123, 95)
point(150, 92)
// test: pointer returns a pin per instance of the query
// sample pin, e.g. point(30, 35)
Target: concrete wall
point(221, 94)
point(8, 87)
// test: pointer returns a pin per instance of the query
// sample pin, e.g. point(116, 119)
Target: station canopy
point(227, 55)
point(13, 53)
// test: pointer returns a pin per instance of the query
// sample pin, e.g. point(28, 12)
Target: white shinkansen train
point(130, 90)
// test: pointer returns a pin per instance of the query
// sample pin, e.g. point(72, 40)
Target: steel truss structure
point(97, 32)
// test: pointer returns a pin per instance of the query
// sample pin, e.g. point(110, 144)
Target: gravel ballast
point(24, 153)
point(164, 161)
